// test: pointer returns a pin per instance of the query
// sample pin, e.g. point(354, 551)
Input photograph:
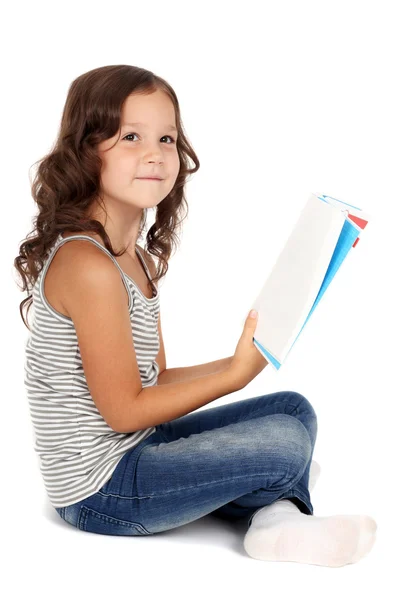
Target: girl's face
point(145, 148)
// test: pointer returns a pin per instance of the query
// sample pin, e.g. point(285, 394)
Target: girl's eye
point(130, 134)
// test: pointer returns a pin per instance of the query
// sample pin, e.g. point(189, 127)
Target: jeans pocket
point(95, 522)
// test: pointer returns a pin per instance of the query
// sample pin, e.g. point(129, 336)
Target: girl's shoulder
point(65, 257)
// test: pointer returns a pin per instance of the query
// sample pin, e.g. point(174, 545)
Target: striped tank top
point(77, 450)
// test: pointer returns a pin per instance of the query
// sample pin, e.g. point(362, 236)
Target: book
point(325, 232)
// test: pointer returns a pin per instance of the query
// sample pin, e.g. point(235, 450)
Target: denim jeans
point(227, 460)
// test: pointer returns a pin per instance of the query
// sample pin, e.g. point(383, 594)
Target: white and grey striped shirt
point(76, 448)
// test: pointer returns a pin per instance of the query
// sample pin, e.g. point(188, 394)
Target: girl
point(122, 449)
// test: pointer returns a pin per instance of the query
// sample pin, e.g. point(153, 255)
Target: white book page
point(294, 282)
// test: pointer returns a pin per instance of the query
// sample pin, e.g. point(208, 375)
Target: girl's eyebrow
point(168, 127)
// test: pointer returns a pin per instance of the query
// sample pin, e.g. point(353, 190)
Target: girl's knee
point(303, 404)
point(291, 439)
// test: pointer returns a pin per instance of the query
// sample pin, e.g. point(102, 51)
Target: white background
point(279, 99)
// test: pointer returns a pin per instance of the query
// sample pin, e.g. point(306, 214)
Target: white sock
point(281, 532)
point(315, 471)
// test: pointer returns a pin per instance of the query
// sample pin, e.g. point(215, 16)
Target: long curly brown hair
point(67, 181)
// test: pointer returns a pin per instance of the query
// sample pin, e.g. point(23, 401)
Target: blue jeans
point(227, 460)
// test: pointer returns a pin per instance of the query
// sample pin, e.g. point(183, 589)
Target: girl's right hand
point(247, 361)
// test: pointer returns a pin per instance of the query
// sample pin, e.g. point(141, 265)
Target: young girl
point(121, 446)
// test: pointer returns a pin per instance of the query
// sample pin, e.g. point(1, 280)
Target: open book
point(324, 234)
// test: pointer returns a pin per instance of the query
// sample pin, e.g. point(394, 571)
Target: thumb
point(252, 318)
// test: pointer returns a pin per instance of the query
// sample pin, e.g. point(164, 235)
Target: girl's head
point(144, 145)
point(97, 159)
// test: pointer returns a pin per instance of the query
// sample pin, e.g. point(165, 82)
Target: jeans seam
point(186, 488)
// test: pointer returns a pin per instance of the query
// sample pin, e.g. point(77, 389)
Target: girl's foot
point(281, 532)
